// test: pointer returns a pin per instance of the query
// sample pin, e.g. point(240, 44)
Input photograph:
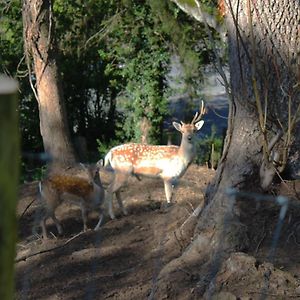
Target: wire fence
point(232, 195)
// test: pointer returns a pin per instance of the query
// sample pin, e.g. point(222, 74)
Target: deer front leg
point(44, 229)
point(50, 214)
point(168, 190)
point(56, 222)
point(109, 200)
point(84, 216)
point(100, 221)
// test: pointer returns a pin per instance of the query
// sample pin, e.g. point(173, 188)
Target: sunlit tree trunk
point(40, 50)
point(145, 129)
point(263, 41)
point(264, 74)
point(9, 171)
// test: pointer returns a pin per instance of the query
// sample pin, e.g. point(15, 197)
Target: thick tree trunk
point(263, 68)
point(40, 47)
point(145, 130)
point(263, 39)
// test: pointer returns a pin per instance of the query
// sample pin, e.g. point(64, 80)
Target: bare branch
point(25, 257)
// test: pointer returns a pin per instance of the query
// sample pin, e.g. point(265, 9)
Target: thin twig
point(192, 215)
point(259, 243)
point(178, 242)
point(27, 207)
point(217, 114)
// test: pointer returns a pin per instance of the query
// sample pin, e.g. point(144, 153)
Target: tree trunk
point(263, 72)
point(9, 171)
point(145, 130)
point(263, 39)
point(39, 44)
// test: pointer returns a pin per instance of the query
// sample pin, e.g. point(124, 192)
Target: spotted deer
point(80, 185)
point(166, 162)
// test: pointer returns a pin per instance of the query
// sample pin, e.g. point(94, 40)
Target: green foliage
point(204, 149)
point(114, 58)
point(90, 91)
point(11, 46)
point(31, 172)
point(139, 55)
point(103, 148)
point(186, 39)
point(142, 43)
point(13, 63)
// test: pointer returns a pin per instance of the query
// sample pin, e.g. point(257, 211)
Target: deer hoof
point(164, 206)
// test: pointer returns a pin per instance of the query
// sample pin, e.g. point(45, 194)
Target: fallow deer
point(79, 185)
point(166, 162)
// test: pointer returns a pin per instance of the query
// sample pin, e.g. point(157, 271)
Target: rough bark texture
point(9, 166)
point(264, 53)
point(39, 44)
point(263, 39)
point(145, 129)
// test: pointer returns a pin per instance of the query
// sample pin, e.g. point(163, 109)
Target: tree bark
point(263, 41)
point(145, 130)
point(39, 44)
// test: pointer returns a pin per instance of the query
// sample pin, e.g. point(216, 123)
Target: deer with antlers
point(166, 162)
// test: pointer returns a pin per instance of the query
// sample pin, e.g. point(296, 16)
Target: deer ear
point(199, 124)
point(100, 163)
point(177, 126)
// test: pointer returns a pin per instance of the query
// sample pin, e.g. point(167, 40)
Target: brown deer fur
point(81, 186)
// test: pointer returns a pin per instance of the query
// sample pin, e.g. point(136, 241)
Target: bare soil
point(124, 259)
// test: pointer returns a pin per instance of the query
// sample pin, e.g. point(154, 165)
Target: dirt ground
point(123, 260)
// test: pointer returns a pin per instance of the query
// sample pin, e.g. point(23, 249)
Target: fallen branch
point(25, 257)
point(272, 294)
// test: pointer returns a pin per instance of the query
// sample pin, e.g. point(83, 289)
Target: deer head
point(188, 130)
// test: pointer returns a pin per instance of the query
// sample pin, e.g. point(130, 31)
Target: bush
point(209, 149)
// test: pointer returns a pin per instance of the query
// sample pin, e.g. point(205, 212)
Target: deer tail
point(40, 187)
point(107, 160)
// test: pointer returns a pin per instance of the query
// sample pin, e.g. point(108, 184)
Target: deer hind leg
point(50, 214)
point(40, 218)
point(51, 201)
point(44, 229)
point(56, 222)
point(100, 220)
point(84, 215)
point(124, 210)
point(119, 181)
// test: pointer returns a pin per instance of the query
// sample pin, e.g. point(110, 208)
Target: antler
point(198, 115)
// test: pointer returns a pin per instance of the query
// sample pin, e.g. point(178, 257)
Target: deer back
point(70, 184)
point(142, 159)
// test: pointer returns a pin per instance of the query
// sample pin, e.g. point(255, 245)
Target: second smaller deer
point(81, 186)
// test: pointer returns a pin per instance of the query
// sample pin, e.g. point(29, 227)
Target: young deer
point(79, 185)
point(166, 162)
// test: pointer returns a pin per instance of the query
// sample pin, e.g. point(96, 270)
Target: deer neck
point(186, 151)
